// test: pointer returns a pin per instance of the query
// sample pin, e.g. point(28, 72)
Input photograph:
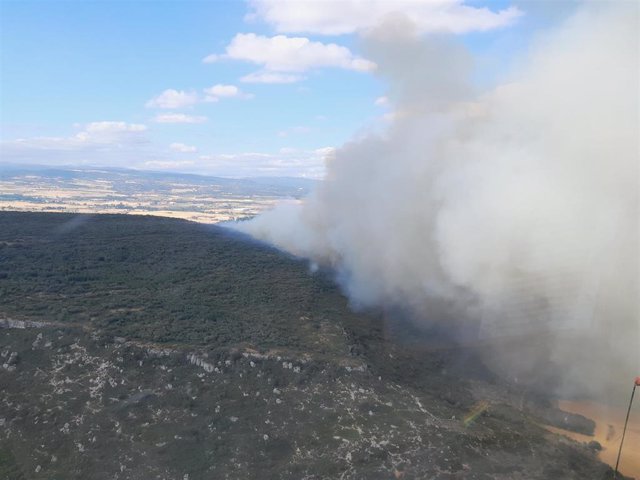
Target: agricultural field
point(191, 197)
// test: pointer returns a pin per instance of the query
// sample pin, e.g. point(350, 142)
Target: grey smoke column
point(517, 206)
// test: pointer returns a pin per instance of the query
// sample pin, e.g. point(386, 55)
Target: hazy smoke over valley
point(512, 210)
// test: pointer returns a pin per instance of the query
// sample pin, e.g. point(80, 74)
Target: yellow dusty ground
point(609, 424)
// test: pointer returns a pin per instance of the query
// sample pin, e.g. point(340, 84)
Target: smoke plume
point(515, 210)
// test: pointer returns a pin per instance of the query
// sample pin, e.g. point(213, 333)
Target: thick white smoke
point(518, 208)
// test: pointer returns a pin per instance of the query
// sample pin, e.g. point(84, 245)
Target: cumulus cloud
point(104, 133)
point(182, 148)
point(287, 162)
point(349, 16)
point(113, 127)
point(499, 214)
point(216, 92)
point(169, 164)
point(381, 101)
point(171, 99)
point(178, 118)
point(122, 144)
point(285, 58)
point(95, 142)
point(271, 77)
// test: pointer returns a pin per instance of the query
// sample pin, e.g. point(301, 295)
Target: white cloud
point(211, 58)
point(284, 58)
point(182, 148)
point(349, 16)
point(216, 92)
point(287, 162)
point(119, 144)
point(115, 133)
point(178, 118)
point(173, 99)
point(325, 152)
point(381, 101)
point(221, 90)
point(271, 77)
point(104, 133)
point(169, 164)
point(106, 142)
point(114, 127)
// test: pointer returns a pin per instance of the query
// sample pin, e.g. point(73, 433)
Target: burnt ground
point(144, 348)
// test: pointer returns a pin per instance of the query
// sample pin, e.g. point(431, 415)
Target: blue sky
point(221, 87)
